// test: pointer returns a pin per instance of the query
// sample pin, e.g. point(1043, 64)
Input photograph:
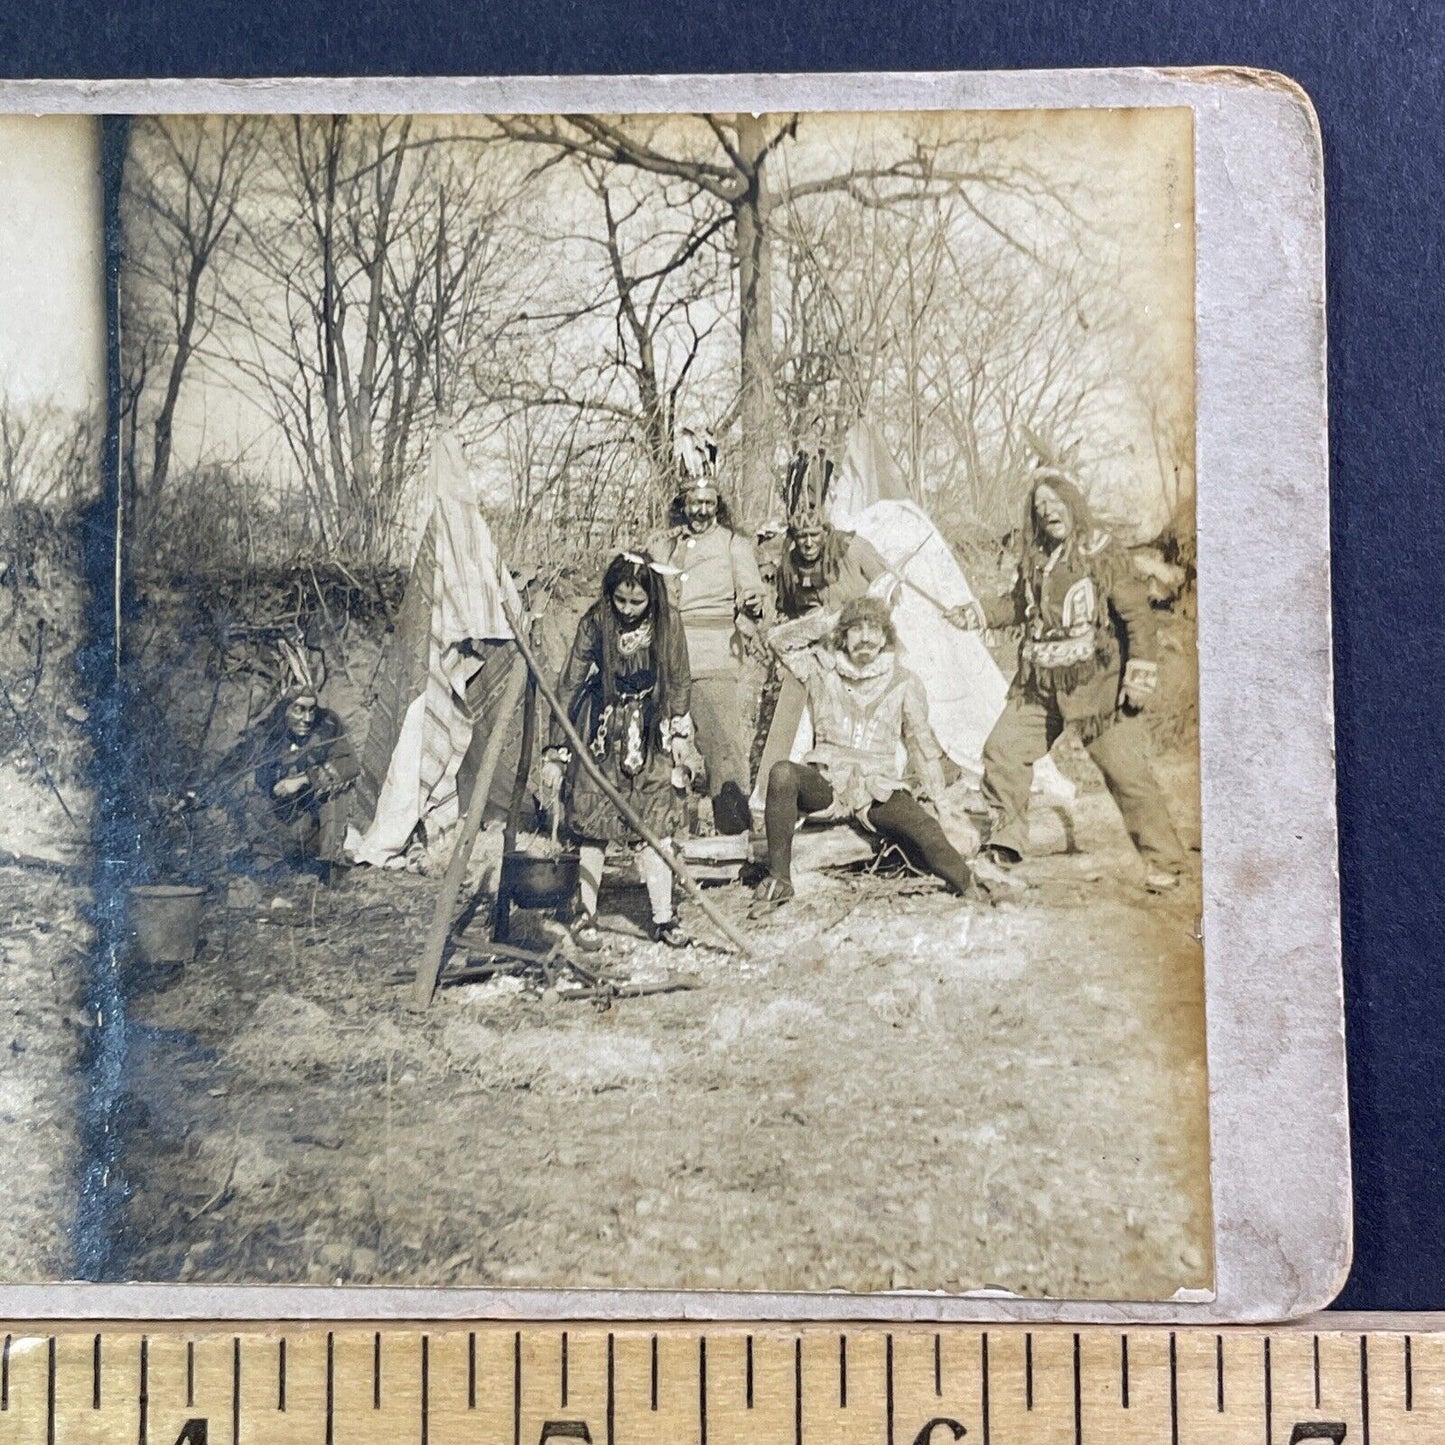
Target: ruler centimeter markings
point(497, 1384)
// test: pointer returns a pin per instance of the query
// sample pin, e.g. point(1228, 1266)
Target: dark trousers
point(797, 788)
point(283, 836)
point(1025, 732)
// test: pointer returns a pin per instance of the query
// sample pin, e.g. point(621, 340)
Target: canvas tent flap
point(965, 688)
point(866, 474)
point(453, 613)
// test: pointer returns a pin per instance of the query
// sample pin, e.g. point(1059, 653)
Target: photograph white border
point(1278, 1116)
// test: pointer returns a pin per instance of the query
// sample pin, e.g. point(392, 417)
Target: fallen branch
point(583, 755)
point(630, 990)
point(473, 973)
point(76, 872)
point(194, 1214)
point(843, 912)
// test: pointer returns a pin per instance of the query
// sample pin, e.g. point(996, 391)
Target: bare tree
point(981, 339)
point(47, 456)
point(366, 282)
point(722, 159)
point(183, 186)
point(654, 299)
point(738, 164)
point(569, 289)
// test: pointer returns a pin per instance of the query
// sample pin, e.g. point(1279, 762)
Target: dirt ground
point(45, 935)
point(42, 948)
point(900, 1091)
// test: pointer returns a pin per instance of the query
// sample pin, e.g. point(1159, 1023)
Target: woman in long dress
point(626, 688)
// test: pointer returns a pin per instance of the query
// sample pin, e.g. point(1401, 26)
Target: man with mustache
point(864, 703)
point(716, 587)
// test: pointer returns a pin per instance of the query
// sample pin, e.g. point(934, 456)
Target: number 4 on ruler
point(193, 1432)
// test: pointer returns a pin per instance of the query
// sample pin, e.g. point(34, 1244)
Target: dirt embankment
point(45, 935)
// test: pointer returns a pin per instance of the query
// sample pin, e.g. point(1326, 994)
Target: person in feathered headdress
point(1087, 663)
point(716, 587)
point(303, 765)
point(821, 566)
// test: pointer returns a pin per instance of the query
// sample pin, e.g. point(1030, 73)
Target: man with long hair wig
point(1088, 663)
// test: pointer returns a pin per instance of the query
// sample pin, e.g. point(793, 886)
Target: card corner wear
point(978, 956)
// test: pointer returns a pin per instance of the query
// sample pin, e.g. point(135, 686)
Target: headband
point(698, 487)
point(661, 568)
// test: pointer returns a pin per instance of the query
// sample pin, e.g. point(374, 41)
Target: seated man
point(864, 704)
point(303, 765)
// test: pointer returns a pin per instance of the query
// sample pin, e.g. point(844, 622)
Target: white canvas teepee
point(869, 495)
point(422, 717)
point(965, 688)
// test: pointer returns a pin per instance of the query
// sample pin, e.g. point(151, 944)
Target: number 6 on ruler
point(925, 1435)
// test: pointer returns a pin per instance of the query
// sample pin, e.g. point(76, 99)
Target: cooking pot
point(530, 881)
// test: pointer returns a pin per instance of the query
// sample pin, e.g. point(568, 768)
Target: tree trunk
point(656, 415)
point(330, 339)
point(164, 430)
point(362, 404)
point(758, 410)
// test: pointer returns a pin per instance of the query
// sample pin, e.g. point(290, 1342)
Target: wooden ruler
point(500, 1384)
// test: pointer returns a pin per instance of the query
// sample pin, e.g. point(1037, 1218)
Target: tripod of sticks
point(527, 661)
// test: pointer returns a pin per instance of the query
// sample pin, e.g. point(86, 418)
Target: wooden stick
point(442, 916)
point(629, 990)
point(76, 872)
point(580, 752)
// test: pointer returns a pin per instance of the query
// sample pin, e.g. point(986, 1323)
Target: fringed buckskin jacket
point(863, 718)
point(1085, 616)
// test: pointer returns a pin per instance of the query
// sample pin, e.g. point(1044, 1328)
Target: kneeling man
point(303, 766)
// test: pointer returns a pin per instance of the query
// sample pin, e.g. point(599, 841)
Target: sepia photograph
point(664, 712)
point(52, 422)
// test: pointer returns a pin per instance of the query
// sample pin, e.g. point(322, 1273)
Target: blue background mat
point(1376, 72)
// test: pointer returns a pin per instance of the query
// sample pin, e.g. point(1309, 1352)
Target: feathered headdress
point(297, 679)
point(641, 559)
point(805, 489)
point(696, 456)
